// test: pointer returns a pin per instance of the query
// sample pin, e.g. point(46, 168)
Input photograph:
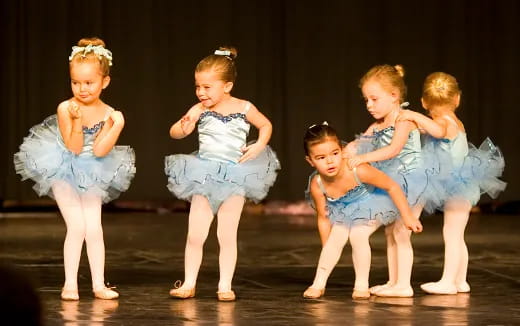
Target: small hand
point(250, 152)
point(350, 150)
point(406, 115)
point(117, 118)
point(187, 124)
point(355, 161)
point(74, 110)
point(415, 226)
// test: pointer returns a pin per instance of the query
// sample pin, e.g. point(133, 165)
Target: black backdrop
point(299, 62)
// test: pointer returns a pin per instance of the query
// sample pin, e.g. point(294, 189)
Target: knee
point(94, 233)
point(226, 239)
point(77, 231)
point(358, 240)
point(401, 234)
point(195, 240)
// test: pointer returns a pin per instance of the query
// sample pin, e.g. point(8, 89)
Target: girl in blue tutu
point(356, 201)
point(225, 170)
point(472, 172)
point(71, 156)
point(395, 148)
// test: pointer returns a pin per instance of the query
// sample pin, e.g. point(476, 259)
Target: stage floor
point(277, 260)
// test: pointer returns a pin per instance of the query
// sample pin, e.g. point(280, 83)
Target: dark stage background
point(299, 62)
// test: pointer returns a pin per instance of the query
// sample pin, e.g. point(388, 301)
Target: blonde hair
point(222, 64)
point(440, 88)
point(104, 62)
point(391, 79)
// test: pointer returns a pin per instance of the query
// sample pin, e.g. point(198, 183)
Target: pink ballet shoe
point(180, 293)
point(360, 294)
point(463, 287)
point(312, 293)
point(106, 293)
point(69, 295)
point(438, 288)
point(395, 292)
point(226, 295)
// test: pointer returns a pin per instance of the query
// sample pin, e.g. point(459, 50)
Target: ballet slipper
point(439, 288)
point(313, 293)
point(226, 295)
point(180, 293)
point(106, 293)
point(463, 287)
point(395, 292)
point(360, 294)
point(69, 294)
point(377, 288)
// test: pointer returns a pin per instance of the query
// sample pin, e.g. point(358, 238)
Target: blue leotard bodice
point(410, 155)
point(221, 138)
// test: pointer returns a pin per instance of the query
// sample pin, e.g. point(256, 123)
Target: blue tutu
point(189, 174)
point(362, 205)
point(44, 159)
point(477, 173)
point(416, 173)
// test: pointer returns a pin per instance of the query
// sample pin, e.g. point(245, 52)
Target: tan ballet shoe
point(69, 295)
point(226, 295)
point(360, 294)
point(106, 293)
point(180, 293)
point(312, 293)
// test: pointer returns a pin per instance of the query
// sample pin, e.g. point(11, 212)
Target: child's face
point(87, 81)
point(379, 101)
point(210, 89)
point(326, 157)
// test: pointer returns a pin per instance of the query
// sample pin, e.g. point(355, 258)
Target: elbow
point(99, 153)
point(394, 151)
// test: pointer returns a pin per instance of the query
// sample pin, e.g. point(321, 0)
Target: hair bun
point(94, 41)
point(400, 70)
point(233, 53)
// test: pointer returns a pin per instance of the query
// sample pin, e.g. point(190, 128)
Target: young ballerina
point(396, 150)
point(356, 201)
point(473, 171)
point(72, 157)
point(224, 172)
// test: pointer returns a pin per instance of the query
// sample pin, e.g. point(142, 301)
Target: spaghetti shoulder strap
point(247, 107)
point(356, 176)
point(320, 184)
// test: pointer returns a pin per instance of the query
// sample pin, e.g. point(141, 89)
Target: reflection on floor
point(277, 257)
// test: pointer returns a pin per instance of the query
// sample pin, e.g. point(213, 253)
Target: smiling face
point(326, 157)
point(87, 81)
point(210, 89)
point(379, 101)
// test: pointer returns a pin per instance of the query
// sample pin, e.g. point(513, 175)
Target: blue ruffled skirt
point(44, 159)
point(478, 174)
point(189, 175)
point(362, 205)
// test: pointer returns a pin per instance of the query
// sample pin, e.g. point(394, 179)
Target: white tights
point(200, 219)
point(400, 252)
point(82, 215)
point(361, 254)
point(456, 216)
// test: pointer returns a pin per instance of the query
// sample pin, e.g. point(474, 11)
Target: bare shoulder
point(313, 184)
point(365, 171)
point(63, 106)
